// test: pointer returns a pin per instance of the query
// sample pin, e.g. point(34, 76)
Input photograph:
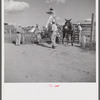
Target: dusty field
point(33, 63)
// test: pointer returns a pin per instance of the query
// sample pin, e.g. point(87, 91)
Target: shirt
point(51, 18)
point(54, 28)
point(79, 28)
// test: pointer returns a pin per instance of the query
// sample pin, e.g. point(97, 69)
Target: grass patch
point(89, 46)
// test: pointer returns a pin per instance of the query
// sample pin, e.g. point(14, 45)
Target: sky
point(31, 12)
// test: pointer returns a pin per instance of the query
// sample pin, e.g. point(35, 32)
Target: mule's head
point(68, 23)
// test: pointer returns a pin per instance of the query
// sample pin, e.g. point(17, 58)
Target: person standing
point(37, 34)
point(23, 36)
point(80, 33)
point(54, 34)
point(18, 36)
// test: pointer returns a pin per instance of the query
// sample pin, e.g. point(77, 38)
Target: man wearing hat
point(37, 33)
point(52, 17)
point(54, 34)
point(18, 35)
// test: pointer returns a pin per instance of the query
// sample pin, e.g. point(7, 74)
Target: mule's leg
point(67, 37)
point(63, 38)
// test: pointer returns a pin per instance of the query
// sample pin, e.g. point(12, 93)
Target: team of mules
point(67, 31)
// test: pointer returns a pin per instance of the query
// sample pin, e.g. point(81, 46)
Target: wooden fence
point(89, 32)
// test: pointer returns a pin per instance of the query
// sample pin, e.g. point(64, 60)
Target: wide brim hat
point(50, 12)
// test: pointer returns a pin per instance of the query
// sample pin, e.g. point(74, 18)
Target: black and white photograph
point(48, 41)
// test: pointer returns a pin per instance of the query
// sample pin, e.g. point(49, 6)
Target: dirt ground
point(41, 63)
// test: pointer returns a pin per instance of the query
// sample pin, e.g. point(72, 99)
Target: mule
point(68, 30)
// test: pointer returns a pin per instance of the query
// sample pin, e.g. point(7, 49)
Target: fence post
point(92, 28)
point(94, 33)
